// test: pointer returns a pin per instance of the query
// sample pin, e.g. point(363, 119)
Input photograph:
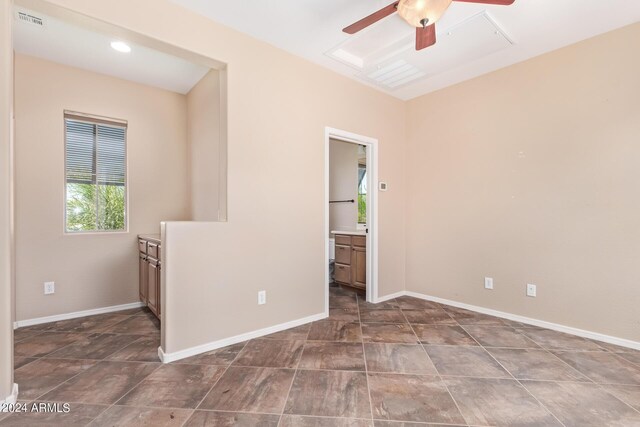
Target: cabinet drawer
point(360, 241)
point(341, 239)
point(343, 254)
point(142, 246)
point(153, 250)
point(343, 273)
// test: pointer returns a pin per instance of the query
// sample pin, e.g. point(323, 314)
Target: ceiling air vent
point(29, 18)
point(395, 74)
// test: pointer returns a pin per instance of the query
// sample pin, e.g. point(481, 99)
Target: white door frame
point(372, 209)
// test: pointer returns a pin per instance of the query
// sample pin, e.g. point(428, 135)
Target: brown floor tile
point(105, 382)
point(343, 302)
point(388, 332)
point(382, 316)
point(631, 357)
point(344, 315)
point(329, 393)
point(467, 317)
point(270, 354)
point(136, 325)
point(79, 415)
point(532, 364)
point(340, 292)
point(553, 340)
point(297, 333)
point(465, 362)
point(498, 402)
point(130, 416)
point(412, 398)
point(429, 316)
point(20, 361)
point(88, 324)
point(499, 336)
point(615, 348)
point(380, 423)
point(140, 311)
point(629, 394)
point(23, 333)
point(582, 404)
point(306, 421)
point(231, 419)
point(398, 358)
point(243, 389)
point(43, 344)
point(174, 386)
point(411, 303)
point(45, 374)
point(604, 368)
point(141, 350)
point(327, 330)
point(385, 305)
point(94, 346)
point(332, 355)
point(221, 356)
point(443, 335)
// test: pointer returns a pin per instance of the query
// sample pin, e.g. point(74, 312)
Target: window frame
point(95, 120)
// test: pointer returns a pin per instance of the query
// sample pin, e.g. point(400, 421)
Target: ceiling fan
point(422, 14)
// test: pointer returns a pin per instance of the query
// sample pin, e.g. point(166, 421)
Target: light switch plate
point(488, 283)
point(262, 297)
point(49, 288)
point(531, 290)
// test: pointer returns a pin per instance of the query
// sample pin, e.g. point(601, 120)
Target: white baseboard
point(192, 351)
point(13, 397)
point(75, 314)
point(390, 296)
point(529, 321)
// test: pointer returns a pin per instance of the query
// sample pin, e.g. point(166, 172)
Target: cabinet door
point(142, 277)
point(152, 285)
point(159, 299)
point(359, 267)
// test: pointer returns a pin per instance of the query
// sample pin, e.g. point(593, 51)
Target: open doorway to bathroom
point(351, 220)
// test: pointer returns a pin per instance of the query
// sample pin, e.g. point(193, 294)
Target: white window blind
point(95, 164)
point(96, 152)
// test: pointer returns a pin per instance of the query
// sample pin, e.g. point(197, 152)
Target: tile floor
point(405, 362)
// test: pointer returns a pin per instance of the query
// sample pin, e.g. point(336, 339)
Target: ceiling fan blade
point(371, 19)
point(425, 36)
point(498, 2)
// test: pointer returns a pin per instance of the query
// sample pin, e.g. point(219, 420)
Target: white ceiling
point(61, 42)
point(473, 39)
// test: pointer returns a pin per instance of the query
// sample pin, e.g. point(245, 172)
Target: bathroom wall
point(343, 185)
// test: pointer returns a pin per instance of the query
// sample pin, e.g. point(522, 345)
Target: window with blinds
point(95, 173)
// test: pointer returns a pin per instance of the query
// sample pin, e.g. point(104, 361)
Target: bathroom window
point(362, 194)
point(95, 174)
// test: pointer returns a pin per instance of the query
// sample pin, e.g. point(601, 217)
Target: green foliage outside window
point(93, 207)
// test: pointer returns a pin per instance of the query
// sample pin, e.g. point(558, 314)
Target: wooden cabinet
point(351, 261)
point(149, 264)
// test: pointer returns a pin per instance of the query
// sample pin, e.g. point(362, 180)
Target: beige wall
point(343, 185)
point(203, 135)
point(530, 175)
point(6, 203)
point(90, 270)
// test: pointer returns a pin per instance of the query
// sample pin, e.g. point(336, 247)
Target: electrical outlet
point(262, 297)
point(488, 283)
point(531, 290)
point(49, 288)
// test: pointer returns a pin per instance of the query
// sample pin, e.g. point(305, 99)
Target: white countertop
point(352, 232)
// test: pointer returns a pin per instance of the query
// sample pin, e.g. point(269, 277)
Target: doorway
point(354, 239)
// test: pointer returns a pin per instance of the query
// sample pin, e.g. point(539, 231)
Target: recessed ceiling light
point(121, 47)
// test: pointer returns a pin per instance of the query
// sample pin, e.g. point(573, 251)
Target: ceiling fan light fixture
point(420, 13)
